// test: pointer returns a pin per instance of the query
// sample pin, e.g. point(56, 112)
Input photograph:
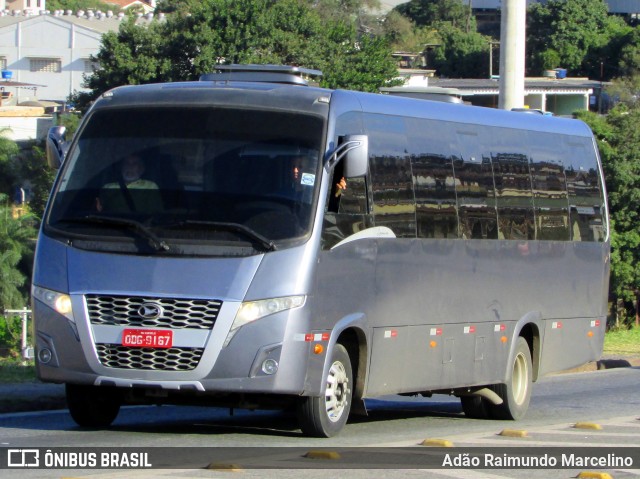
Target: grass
point(14, 371)
point(624, 342)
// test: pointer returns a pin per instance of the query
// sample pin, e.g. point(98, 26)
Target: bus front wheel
point(516, 392)
point(326, 415)
point(92, 406)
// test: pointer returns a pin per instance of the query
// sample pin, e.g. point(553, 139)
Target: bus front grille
point(171, 359)
point(152, 312)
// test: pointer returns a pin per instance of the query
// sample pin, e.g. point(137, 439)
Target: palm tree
point(16, 243)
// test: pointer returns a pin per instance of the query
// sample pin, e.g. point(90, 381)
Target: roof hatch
point(264, 74)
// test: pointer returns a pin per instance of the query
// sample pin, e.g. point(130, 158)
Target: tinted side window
point(474, 185)
point(433, 181)
point(549, 187)
point(513, 185)
point(391, 178)
point(585, 190)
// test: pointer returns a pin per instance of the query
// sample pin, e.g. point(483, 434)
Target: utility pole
point(512, 50)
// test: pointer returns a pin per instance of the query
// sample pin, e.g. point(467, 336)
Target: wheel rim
point(337, 394)
point(520, 379)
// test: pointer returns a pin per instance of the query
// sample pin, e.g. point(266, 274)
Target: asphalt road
point(610, 398)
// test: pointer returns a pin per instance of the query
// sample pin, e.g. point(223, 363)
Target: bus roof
point(315, 100)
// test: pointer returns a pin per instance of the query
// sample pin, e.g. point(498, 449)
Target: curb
point(607, 363)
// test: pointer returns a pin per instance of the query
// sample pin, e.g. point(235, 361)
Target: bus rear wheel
point(516, 392)
point(326, 415)
point(92, 406)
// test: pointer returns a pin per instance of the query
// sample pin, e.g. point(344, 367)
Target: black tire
point(325, 416)
point(92, 406)
point(516, 393)
point(475, 407)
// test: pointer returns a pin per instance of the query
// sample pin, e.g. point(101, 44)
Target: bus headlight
point(60, 302)
point(252, 310)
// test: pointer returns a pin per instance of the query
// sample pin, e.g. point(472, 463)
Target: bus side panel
point(470, 295)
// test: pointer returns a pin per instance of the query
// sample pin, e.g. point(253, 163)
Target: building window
point(45, 65)
point(90, 67)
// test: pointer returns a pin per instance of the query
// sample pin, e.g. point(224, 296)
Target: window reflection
point(513, 188)
point(433, 180)
point(392, 183)
point(438, 179)
point(549, 188)
point(585, 191)
point(475, 188)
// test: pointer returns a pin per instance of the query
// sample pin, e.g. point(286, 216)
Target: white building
point(53, 50)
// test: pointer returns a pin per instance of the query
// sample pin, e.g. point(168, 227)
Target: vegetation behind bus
point(366, 66)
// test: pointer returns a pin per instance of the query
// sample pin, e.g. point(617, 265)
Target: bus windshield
point(210, 181)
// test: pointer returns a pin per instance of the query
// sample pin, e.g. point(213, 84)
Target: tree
point(132, 55)
point(463, 52)
point(562, 33)
point(462, 55)
point(405, 36)
point(430, 12)
point(8, 149)
point(76, 5)
point(242, 31)
point(17, 237)
point(628, 53)
point(619, 143)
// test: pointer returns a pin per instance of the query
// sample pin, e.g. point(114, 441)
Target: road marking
point(436, 443)
point(513, 433)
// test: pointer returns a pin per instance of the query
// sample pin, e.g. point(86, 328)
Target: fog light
point(44, 355)
point(270, 366)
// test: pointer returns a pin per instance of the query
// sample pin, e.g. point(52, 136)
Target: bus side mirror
point(356, 161)
point(56, 146)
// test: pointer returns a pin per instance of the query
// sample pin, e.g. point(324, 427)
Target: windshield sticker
point(308, 179)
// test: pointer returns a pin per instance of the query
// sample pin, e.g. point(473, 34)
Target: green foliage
point(32, 167)
point(363, 65)
point(431, 12)
point(566, 33)
point(132, 55)
point(12, 370)
point(8, 149)
point(76, 5)
point(71, 122)
point(626, 89)
point(462, 54)
point(619, 141)
point(628, 52)
point(462, 51)
point(10, 333)
point(623, 341)
point(17, 238)
point(242, 31)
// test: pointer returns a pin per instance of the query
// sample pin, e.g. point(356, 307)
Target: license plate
point(147, 338)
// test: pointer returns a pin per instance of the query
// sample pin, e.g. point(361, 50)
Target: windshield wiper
point(265, 242)
point(155, 242)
